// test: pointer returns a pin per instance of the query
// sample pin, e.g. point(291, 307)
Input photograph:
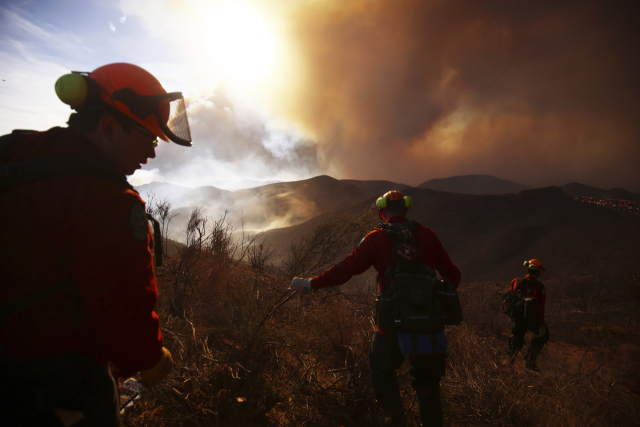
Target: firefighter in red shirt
point(530, 287)
point(78, 283)
point(385, 356)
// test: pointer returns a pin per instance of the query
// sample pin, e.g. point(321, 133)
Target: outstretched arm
point(359, 261)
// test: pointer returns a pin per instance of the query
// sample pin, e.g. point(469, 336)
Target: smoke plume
point(538, 92)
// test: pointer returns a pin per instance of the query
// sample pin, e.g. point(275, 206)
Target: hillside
point(488, 237)
point(474, 184)
point(575, 189)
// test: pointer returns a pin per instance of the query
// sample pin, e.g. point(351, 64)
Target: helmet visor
point(176, 125)
point(169, 110)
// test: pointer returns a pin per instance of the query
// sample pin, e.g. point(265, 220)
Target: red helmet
point(132, 91)
point(390, 196)
point(533, 265)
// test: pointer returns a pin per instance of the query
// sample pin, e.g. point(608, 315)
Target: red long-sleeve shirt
point(375, 249)
point(539, 292)
point(88, 229)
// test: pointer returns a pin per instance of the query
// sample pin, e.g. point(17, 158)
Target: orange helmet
point(132, 91)
point(390, 196)
point(533, 265)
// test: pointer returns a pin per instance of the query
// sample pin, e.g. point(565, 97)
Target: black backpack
point(415, 300)
point(520, 307)
point(14, 174)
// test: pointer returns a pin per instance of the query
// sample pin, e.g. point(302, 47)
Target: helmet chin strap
point(381, 215)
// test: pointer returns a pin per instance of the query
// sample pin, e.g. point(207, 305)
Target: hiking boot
point(530, 359)
point(392, 406)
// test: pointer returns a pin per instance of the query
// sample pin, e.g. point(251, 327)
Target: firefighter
point(385, 356)
point(78, 287)
point(529, 286)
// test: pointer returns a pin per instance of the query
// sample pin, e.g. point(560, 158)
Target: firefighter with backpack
point(78, 287)
point(524, 303)
point(412, 308)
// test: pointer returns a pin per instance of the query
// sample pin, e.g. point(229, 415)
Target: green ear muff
point(381, 203)
point(72, 89)
point(526, 263)
point(408, 201)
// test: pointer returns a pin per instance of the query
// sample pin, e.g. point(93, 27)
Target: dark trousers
point(385, 358)
point(30, 393)
point(519, 330)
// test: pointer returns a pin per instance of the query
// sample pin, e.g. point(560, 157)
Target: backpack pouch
point(385, 316)
point(415, 289)
point(446, 293)
point(419, 319)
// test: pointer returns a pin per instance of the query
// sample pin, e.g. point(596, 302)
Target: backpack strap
point(527, 286)
point(532, 287)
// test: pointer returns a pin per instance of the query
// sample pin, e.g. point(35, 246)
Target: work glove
point(152, 377)
point(300, 285)
point(541, 331)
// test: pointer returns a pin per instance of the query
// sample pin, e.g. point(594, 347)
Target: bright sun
point(240, 42)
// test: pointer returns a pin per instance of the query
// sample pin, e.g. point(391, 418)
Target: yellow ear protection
point(78, 90)
point(383, 202)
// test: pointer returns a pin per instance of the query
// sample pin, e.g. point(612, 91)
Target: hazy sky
point(539, 92)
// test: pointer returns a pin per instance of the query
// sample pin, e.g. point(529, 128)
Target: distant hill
point(474, 184)
point(184, 196)
point(489, 236)
point(269, 206)
point(575, 189)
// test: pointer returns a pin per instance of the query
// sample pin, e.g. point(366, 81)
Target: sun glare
point(239, 42)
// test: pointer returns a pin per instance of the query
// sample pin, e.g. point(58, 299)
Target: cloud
point(15, 22)
point(142, 176)
point(232, 141)
point(28, 97)
point(111, 26)
point(123, 19)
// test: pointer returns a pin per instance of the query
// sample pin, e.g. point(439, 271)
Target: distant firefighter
point(412, 309)
point(77, 282)
point(524, 304)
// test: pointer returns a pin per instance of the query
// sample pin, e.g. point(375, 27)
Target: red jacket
point(88, 229)
point(375, 250)
point(537, 291)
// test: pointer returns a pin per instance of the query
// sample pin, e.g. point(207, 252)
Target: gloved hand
point(152, 377)
point(541, 331)
point(301, 285)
